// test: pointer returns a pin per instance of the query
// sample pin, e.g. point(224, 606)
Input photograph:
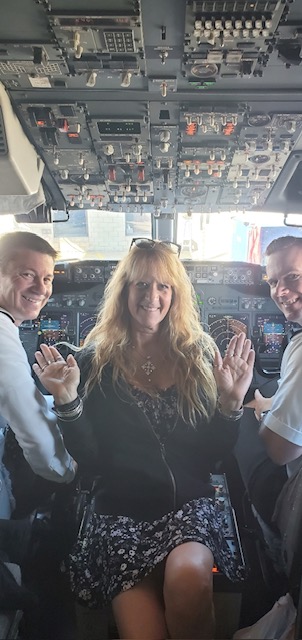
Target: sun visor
point(21, 168)
point(21, 204)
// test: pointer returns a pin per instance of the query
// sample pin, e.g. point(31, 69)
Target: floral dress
point(116, 552)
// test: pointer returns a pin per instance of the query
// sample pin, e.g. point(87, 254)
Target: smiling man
point(284, 274)
point(281, 425)
point(266, 462)
point(26, 275)
point(26, 283)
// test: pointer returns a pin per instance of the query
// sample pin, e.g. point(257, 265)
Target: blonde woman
point(156, 407)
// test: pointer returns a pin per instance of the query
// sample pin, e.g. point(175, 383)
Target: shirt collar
point(6, 313)
point(293, 332)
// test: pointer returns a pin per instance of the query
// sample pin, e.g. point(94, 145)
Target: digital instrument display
point(223, 327)
point(272, 331)
point(86, 323)
point(54, 328)
point(50, 325)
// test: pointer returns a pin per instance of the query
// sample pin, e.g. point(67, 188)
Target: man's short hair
point(12, 242)
point(285, 242)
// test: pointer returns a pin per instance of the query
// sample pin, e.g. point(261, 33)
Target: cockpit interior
point(177, 120)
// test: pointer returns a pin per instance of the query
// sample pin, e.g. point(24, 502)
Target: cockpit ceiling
point(164, 106)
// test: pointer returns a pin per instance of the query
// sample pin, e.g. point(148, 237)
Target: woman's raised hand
point(60, 377)
point(234, 372)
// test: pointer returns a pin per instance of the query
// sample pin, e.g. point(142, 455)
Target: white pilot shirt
point(285, 416)
point(26, 410)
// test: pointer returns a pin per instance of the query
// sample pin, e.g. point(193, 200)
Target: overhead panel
point(101, 45)
point(226, 40)
point(61, 131)
point(123, 149)
point(232, 156)
point(163, 107)
point(32, 66)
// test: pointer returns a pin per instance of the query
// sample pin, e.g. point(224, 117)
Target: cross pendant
point(148, 367)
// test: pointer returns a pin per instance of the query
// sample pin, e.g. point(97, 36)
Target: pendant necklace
point(148, 366)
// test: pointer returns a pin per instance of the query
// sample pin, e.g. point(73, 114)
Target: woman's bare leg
point(188, 592)
point(139, 611)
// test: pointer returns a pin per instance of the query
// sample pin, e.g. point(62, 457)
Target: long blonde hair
point(188, 346)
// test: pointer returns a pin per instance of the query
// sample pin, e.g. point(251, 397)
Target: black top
point(142, 477)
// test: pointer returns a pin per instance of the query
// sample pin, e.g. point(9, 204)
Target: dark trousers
point(15, 538)
point(262, 478)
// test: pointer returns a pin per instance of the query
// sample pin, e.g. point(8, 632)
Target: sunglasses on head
point(147, 243)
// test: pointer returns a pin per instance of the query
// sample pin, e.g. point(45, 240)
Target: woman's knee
point(188, 574)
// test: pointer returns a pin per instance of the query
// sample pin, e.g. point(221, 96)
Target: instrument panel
point(231, 297)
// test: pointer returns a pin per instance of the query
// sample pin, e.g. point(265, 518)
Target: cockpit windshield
point(88, 234)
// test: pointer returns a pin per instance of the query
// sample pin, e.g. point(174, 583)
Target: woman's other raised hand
point(234, 372)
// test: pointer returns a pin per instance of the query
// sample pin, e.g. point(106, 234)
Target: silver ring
point(49, 362)
point(59, 358)
point(42, 368)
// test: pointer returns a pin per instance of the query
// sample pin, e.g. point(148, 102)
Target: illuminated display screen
point(223, 327)
point(54, 328)
point(50, 325)
point(272, 330)
point(114, 127)
point(86, 323)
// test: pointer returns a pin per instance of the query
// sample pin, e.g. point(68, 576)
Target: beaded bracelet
point(69, 411)
point(232, 415)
